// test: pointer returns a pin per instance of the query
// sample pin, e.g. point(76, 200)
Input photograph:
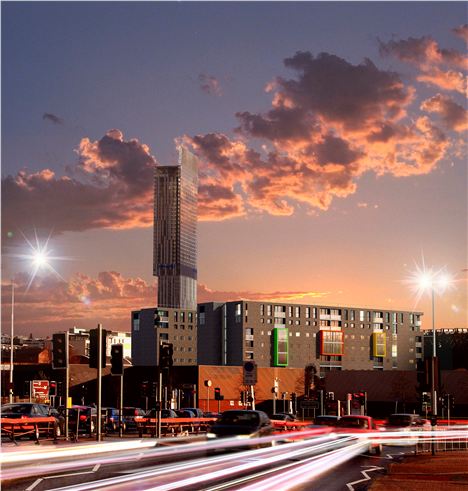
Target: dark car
point(129, 414)
point(241, 423)
point(24, 410)
point(112, 419)
point(195, 410)
point(165, 413)
point(184, 413)
point(83, 419)
point(326, 420)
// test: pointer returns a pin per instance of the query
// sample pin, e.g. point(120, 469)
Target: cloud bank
point(84, 301)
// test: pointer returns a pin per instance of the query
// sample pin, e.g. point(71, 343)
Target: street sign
point(40, 389)
point(309, 404)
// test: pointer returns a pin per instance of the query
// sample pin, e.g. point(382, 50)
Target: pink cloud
point(110, 187)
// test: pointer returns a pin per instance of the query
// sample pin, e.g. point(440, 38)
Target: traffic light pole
point(99, 384)
point(158, 422)
point(121, 407)
point(67, 389)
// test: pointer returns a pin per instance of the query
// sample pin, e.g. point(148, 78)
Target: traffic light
point(166, 351)
point(94, 346)
point(426, 397)
point(52, 388)
point(60, 389)
point(217, 394)
point(154, 388)
point(242, 397)
point(144, 388)
point(293, 398)
point(59, 350)
point(117, 359)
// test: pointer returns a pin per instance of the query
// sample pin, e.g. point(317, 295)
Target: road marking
point(38, 481)
point(350, 485)
point(390, 456)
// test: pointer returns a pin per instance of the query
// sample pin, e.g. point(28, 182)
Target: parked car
point(184, 413)
point(165, 413)
point(23, 410)
point(326, 420)
point(82, 419)
point(242, 424)
point(195, 410)
point(128, 415)
point(360, 424)
point(112, 419)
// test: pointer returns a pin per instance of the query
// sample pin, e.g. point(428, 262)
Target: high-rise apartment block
point(175, 232)
point(291, 335)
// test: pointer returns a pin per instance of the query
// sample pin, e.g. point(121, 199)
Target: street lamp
point(39, 259)
point(435, 282)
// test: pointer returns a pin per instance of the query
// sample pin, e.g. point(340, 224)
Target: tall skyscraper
point(175, 232)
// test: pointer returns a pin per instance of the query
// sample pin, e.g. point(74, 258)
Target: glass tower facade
point(175, 232)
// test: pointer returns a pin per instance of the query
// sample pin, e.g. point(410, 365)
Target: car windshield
point(16, 408)
point(353, 423)
point(399, 420)
point(240, 418)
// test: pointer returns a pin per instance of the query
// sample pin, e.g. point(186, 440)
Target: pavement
point(446, 471)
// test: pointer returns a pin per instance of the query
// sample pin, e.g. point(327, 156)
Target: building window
point(279, 309)
point(268, 321)
point(307, 323)
point(401, 317)
point(379, 344)
point(175, 316)
point(345, 315)
point(249, 344)
point(164, 336)
point(361, 315)
point(352, 315)
point(368, 316)
point(298, 334)
point(297, 311)
point(262, 310)
point(201, 318)
point(280, 347)
point(297, 323)
point(289, 311)
point(136, 321)
point(280, 320)
point(268, 309)
point(249, 355)
point(307, 312)
point(190, 317)
point(314, 312)
point(331, 343)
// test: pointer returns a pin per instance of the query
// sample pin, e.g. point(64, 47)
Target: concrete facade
point(153, 326)
point(232, 332)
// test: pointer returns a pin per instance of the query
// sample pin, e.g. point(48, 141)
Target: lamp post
point(435, 282)
point(10, 391)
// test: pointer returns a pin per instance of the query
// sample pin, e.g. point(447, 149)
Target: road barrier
point(15, 428)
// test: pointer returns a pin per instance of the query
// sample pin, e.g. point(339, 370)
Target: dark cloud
point(462, 31)
point(110, 187)
point(281, 123)
point(52, 118)
point(209, 84)
point(333, 150)
point(337, 91)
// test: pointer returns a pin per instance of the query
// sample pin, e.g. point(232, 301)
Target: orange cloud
point(452, 114)
point(110, 187)
point(83, 301)
point(205, 294)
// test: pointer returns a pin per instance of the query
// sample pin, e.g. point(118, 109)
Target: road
point(325, 462)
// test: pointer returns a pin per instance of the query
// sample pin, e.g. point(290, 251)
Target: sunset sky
point(331, 138)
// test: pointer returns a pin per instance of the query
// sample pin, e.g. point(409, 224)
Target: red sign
point(40, 388)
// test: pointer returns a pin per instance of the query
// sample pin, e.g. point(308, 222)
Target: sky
point(331, 139)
